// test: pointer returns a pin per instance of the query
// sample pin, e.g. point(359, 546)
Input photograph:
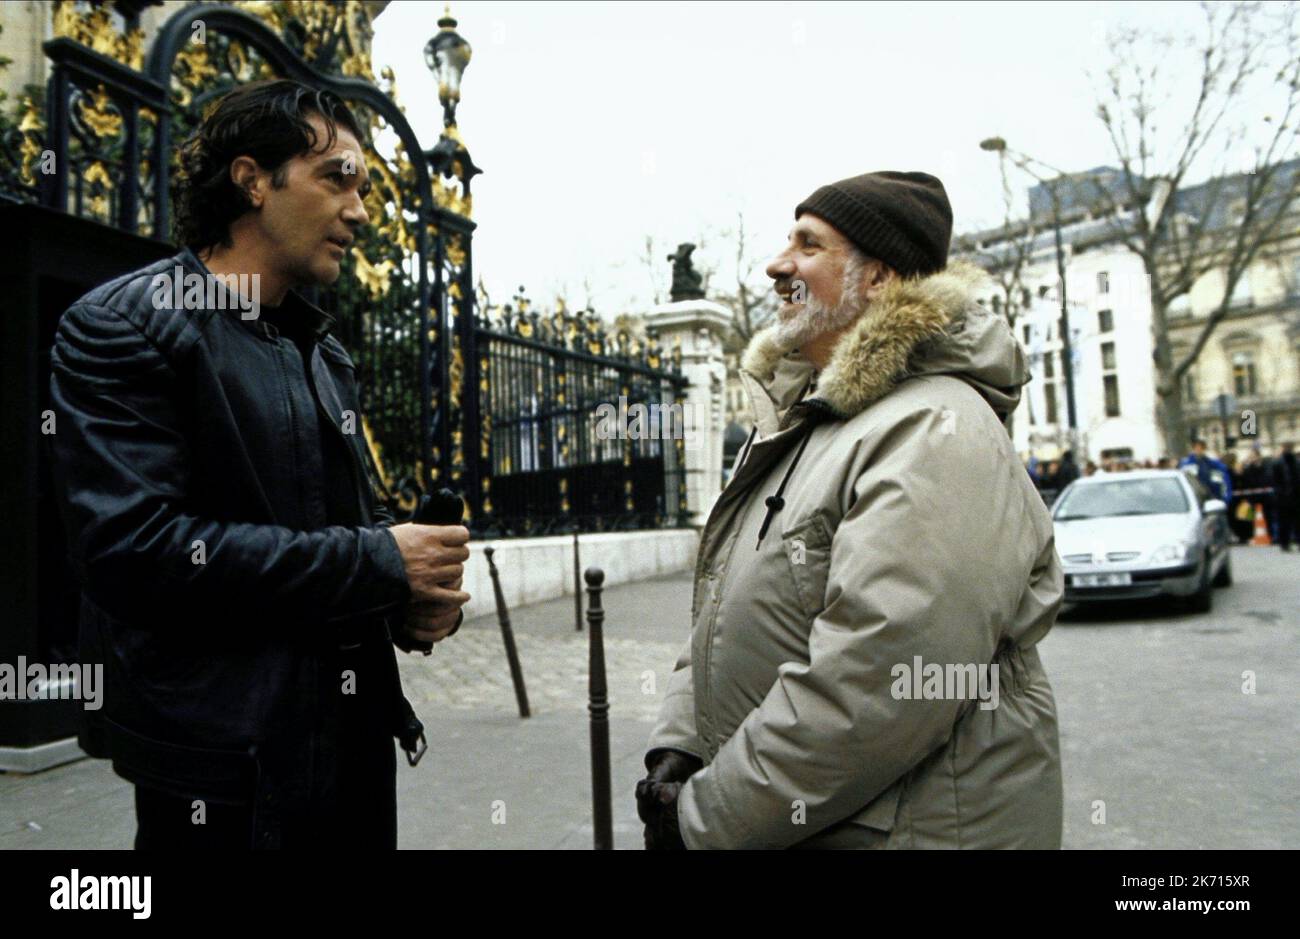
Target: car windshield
point(1122, 497)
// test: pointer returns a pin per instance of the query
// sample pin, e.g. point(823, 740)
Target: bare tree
point(1247, 52)
point(751, 300)
point(650, 259)
point(1004, 254)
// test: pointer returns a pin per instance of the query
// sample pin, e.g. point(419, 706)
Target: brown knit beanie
point(903, 219)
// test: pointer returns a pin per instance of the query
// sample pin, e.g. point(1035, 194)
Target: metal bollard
point(577, 584)
point(602, 808)
point(508, 636)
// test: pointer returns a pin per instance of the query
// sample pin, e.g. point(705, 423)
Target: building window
point(1243, 374)
point(1105, 320)
point(997, 304)
point(1049, 365)
point(1103, 282)
point(1189, 387)
point(1111, 384)
point(1108, 355)
point(1027, 298)
point(1026, 334)
point(1049, 392)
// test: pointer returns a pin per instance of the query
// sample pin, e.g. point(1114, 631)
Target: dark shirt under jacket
point(355, 722)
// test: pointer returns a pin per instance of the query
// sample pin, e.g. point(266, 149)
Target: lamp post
point(999, 146)
point(446, 55)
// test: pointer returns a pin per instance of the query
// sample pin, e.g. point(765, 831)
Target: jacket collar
point(316, 322)
point(870, 358)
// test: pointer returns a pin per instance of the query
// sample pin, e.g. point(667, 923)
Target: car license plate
point(1103, 580)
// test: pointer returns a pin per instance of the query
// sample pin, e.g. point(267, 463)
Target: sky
point(600, 124)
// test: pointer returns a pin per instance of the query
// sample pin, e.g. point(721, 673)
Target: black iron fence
point(555, 451)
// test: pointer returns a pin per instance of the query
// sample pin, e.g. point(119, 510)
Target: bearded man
point(873, 581)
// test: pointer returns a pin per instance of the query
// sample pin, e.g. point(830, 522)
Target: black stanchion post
point(508, 636)
point(602, 811)
point(577, 584)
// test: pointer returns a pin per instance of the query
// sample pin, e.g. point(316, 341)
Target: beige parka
point(879, 520)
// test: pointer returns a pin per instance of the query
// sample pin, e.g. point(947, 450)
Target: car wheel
point(1203, 599)
point(1225, 576)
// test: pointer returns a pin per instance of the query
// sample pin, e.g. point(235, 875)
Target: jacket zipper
point(347, 444)
point(742, 516)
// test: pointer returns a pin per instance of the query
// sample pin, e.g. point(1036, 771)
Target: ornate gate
point(451, 395)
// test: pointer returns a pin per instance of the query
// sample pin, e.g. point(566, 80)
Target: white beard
point(817, 319)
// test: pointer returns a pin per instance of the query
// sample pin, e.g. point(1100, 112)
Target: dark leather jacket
point(180, 427)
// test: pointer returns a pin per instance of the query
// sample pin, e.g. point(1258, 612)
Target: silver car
point(1144, 533)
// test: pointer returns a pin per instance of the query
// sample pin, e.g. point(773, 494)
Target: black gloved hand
point(663, 833)
point(656, 797)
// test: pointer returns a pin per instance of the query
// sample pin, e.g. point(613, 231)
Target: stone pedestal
point(700, 325)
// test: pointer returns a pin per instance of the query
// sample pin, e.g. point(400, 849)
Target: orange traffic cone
point(1261, 529)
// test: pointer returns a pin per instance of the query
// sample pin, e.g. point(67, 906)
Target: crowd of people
point(1270, 485)
point(1258, 484)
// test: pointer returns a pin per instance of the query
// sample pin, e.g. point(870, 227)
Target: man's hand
point(433, 622)
point(434, 557)
point(662, 832)
point(431, 629)
point(656, 798)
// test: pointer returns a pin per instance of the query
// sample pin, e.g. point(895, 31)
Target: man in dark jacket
point(241, 586)
point(1285, 473)
point(1068, 471)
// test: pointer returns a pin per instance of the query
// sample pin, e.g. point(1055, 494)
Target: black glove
point(663, 833)
point(656, 797)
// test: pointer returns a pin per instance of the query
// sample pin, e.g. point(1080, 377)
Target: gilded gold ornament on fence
point(99, 114)
point(197, 69)
point(94, 28)
point(456, 372)
point(376, 278)
point(32, 127)
point(99, 184)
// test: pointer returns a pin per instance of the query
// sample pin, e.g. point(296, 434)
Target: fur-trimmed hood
point(926, 326)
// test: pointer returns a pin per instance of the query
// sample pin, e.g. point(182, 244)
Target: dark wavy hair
point(266, 120)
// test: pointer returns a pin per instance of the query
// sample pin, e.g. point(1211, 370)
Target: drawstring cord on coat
point(748, 443)
point(775, 503)
point(812, 384)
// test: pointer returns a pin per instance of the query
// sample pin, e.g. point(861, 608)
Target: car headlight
point(1172, 552)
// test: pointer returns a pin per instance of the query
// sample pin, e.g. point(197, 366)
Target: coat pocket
point(808, 551)
point(881, 811)
point(870, 828)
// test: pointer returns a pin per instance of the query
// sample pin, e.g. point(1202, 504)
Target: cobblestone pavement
point(555, 674)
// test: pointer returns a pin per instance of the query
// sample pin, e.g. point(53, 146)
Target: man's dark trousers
point(359, 810)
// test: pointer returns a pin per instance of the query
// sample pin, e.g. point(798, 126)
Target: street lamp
point(999, 146)
point(446, 55)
